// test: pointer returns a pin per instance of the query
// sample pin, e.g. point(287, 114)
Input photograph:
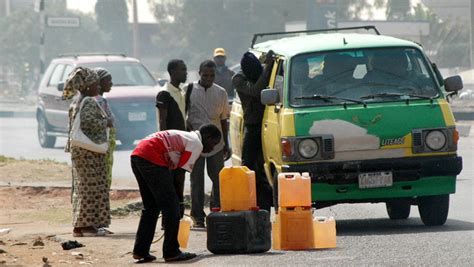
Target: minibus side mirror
point(269, 96)
point(453, 83)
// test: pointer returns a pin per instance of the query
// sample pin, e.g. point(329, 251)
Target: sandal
point(147, 258)
point(89, 233)
point(107, 231)
point(77, 234)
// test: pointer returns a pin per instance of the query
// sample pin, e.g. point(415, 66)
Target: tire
point(275, 190)
point(42, 130)
point(398, 209)
point(433, 209)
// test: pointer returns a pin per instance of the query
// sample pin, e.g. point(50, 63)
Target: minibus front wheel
point(433, 209)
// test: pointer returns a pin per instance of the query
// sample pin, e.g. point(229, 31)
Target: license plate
point(137, 116)
point(375, 179)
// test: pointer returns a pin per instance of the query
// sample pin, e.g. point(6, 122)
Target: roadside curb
point(17, 114)
point(464, 127)
point(463, 116)
point(17, 109)
point(61, 187)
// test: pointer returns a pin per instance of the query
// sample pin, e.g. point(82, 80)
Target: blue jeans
point(158, 195)
point(215, 164)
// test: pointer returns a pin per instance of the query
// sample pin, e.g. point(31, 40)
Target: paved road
point(365, 235)
point(18, 139)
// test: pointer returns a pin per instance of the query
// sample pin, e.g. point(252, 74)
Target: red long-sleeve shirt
point(172, 149)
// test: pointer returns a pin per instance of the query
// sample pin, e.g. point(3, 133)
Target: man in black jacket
point(249, 83)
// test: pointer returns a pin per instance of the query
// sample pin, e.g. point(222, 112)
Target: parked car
point(132, 98)
point(366, 115)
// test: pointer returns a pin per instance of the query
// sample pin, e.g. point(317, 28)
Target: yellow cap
point(219, 52)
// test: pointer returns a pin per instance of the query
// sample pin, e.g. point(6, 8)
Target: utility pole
point(472, 35)
point(7, 8)
point(136, 49)
point(42, 37)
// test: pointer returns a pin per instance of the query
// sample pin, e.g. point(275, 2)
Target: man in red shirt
point(152, 161)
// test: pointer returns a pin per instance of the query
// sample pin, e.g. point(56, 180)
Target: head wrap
point(79, 80)
point(251, 66)
point(103, 73)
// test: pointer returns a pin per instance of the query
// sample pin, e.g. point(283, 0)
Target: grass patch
point(52, 215)
point(22, 170)
point(4, 159)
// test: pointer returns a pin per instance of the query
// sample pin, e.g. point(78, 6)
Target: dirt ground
point(35, 220)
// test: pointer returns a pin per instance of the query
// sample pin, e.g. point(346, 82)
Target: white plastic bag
point(78, 138)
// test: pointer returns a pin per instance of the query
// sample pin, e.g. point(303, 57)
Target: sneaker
point(183, 256)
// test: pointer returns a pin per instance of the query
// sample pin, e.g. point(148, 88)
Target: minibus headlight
point(308, 148)
point(435, 140)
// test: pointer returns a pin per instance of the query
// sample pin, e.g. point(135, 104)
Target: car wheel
point(433, 209)
point(275, 190)
point(398, 209)
point(43, 138)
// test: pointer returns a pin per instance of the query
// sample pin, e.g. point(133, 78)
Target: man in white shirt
point(208, 104)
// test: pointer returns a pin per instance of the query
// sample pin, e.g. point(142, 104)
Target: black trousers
point(252, 157)
point(158, 195)
point(178, 176)
point(178, 181)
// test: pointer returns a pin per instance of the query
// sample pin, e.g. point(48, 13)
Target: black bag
point(238, 232)
point(187, 98)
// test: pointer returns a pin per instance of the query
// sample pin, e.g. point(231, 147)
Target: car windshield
point(369, 75)
point(126, 73)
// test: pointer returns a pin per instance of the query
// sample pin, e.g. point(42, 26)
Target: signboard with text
point(65, 22)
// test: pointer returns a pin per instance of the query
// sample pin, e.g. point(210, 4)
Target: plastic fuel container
point(324, 230)
point(237, 189)
point(293, 229)
point(294, 190)
point(238, 232)
point(183, 232)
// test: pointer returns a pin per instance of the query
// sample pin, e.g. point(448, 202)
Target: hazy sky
point(145, 15)
point(87, 6)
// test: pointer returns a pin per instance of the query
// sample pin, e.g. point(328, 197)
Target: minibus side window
point(279, 80)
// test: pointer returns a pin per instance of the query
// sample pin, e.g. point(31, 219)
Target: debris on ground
point(128, 209)
point(71, 245)
point(4, 231)
point(38, 242)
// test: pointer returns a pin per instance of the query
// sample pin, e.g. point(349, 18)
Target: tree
point(448, 41)
point(398, 9)
point(19, 41)
point(192, 29)
point(112, 19)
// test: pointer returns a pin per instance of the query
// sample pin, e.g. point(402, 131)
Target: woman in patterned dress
point(105, 85)
point(90, 196)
